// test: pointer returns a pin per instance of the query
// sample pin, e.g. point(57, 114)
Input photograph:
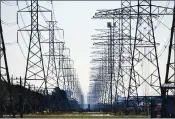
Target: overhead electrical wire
point(164, 48)
point(22, 35)
point(164, 25)
point(11, 24)
point(22, 51)
point(24, 43)
point(54, 19)
point(162, 16)
point(20, 28)
point(8, 24)
point(45, 19)
point(167, 41)
point(160, 22)
point(11, 43)
point(8, 3)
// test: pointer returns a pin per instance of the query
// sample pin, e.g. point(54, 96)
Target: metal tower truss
point(144, 56)
point(51, 71)
point(70, 77)
point(35, 67)
point(138, 52)
point(120, 57)
point(59, 48)
point(67, 70)
point(124, 46)
point(98, 77)
point(73, 87)
point(40, 77)
point(5, 83)
point(156, 11)
point(104, 69)
point(121, 48)
point(77, 91)
point(65, 66)
point(60, 63)
point(168, 88)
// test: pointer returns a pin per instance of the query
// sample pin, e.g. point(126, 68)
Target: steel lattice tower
point(140, 51)
point(103, 75)
point(52, 76)
point(111, 73)
point(124, 47)
point(35, 58)
point(168, 88)
point(35, 70)
point(144, 49)
point(4, 76)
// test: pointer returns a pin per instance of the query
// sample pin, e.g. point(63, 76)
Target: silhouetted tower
point(4, 76)
point(168, 88)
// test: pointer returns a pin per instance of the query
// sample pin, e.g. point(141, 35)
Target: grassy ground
point(82, 115)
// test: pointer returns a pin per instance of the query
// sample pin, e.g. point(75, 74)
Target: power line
point(43, 16)
point(22, 51)
point(24, 25)
point(8, 24)
point(160, 21)
point(11, 43)
point(23, 37)
point(164, 48)
point(8, 3)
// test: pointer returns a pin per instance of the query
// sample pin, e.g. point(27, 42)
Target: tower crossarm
point(117, 13)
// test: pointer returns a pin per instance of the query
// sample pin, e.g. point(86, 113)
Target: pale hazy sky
point(75, 18)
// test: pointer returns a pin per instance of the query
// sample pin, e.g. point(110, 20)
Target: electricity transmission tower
point(144, 50)
point(52, 74)
point(4, 77)
point(35, 67)
point(168, 88)
point(123, 42)
point(103, 75)
point(35, 71)
point(39, 77)
point(139, 52)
